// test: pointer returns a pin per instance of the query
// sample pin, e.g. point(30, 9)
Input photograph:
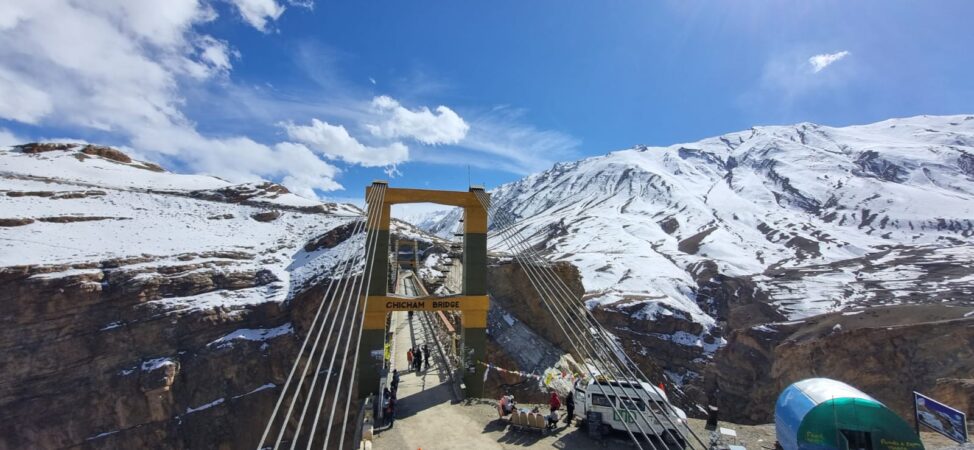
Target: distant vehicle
point(600, 396)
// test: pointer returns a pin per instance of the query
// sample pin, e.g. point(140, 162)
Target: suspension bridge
point(333, 393)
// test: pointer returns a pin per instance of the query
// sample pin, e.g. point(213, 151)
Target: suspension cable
point(569, 303)
point(343, 259)
point(565, 295)
point(532, 275)
point(366, 279)
point(334, 305)
point(567, 298)
point(365, 304)
point(344, 306)
point(351, 305)
point(618, 352)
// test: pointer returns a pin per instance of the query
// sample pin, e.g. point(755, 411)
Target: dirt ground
point(474, 425)
point(429, 418)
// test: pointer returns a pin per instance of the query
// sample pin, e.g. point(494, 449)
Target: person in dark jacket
point(391, 411)
point(426, 356)
point(570, 406)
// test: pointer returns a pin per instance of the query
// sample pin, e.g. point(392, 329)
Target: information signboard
point(940, 417)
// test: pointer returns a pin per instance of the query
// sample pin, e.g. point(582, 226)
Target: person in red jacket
point(555, 402)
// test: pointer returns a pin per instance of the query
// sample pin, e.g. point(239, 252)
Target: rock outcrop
point(510, 286)
point(89, 359)
point(887, 352)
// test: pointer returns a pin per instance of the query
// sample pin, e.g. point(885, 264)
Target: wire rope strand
point(344, 306)
point(569, 302)
point(541, 264)
point(342, 280)
point(566, 296)
point(358, 341)
point(282, 396)
point(626, 363)
point(366, 279)
point(542, 291)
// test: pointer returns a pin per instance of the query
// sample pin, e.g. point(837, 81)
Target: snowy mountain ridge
point(808, 218)
point(72, 207)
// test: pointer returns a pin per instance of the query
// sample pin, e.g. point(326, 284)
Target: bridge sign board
point(940, 417)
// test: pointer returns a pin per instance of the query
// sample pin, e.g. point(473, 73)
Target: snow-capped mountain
point(432, 222)
point(805, 218)
point(69, 204)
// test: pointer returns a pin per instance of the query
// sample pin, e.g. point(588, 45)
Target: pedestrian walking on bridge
point(426, 356)
point(409, 357)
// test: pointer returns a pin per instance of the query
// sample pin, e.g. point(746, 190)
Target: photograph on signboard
point(941, 418)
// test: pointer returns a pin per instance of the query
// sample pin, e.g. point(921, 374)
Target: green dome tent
point(824, 414)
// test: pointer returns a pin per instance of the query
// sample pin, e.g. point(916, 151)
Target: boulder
point(266, 216)
point(107, 153)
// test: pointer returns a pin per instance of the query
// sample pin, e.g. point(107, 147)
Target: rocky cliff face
point(511, 289)
point(887, 352)
point(159, 310)
point(89, 360)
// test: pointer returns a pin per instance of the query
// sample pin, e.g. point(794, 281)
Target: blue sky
point(327, 96)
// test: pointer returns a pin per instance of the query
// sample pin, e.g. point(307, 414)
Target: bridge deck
point(428, 417)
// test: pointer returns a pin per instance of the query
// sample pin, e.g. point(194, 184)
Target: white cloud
point(7, 138)
point(120, 66)
point(243, 159)
point(309, 4)
point(822, 61)
point(117, 74)
point(20, 100)
point(259, 12)
point(334, 142)
point(130, 73)
point(499, 139)
point(790, 79)
point(215, 55)
point(443, 127)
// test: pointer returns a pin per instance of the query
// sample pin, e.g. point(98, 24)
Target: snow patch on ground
point(206, 406)
point(157, 363)
point(258, 389)
point(251, 334)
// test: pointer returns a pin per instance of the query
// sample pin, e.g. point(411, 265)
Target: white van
point(600, 396)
